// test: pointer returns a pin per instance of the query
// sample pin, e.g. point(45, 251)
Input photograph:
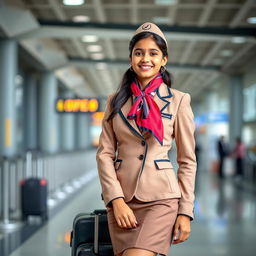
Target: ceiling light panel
point(238, 40)
point(94, 48)
point(81, 18)
point(165, 2)
point(251, 20)
point(97, 56)
point(73, 2)
point(90, 39)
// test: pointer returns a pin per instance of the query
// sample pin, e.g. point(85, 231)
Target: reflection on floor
point(224, 224)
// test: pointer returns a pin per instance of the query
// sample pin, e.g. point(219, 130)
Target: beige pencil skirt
point(154, 232)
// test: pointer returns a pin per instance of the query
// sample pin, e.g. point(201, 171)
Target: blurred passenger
point(222, 149)
point(239, 154)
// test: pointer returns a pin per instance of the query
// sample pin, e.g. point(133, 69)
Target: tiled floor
point(224, 224)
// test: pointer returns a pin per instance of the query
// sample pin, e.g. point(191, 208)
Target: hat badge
point(146, 26)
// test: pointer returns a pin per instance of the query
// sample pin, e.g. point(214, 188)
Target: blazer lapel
point(123, 112)
point(162, 99)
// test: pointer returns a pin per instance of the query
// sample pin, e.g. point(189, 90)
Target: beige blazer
point(130, 164)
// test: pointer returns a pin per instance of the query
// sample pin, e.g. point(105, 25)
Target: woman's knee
point(138, 252)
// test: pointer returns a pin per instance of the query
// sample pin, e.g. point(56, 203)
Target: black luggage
point(34, 198)
point(90, 235)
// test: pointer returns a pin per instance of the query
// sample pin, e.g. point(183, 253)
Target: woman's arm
point(184, 128)
point(111, 188)
point(105, 156)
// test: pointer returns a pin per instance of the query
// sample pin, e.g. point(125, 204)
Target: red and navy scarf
point(144, 109)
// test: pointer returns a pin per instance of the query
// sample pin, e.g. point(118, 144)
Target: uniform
point(137, 168)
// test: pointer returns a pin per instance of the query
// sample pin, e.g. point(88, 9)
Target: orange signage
point(89, 105)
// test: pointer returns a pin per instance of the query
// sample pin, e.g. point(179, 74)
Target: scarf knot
point(144, 110)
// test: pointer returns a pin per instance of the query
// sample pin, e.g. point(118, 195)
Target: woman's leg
point(137, 252)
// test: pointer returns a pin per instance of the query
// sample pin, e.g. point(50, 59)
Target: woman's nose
point(145, 57)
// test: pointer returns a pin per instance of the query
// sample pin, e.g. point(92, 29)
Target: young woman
point(148, 207)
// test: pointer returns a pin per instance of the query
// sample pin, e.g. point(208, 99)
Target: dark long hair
point(124, 92)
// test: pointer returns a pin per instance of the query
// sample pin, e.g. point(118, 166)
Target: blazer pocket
point(163, 164)
point(117, 164)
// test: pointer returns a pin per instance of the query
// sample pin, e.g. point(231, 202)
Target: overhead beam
point(237, 56)
point(172, 12)
point(62, 29)
point(208, 8)
point(187, 52)
point(241, 13)
point(134, 12)
point(210, 55)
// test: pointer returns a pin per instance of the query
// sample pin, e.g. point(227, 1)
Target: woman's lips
point(145, 67)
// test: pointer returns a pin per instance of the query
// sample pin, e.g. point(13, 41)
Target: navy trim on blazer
point(163, 98)
point(148, 130)
point(162, 160)
point(129, 125)
point(145, 155)
point(138, 134)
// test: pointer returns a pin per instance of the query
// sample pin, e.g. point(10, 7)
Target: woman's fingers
point(133, 221)
point(181, 230)
point(127, 221)
point(124, 215)
point(183, 236)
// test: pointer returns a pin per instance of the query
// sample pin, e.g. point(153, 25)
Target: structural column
point(83, 131)
point(48, 117)
point(236, 108)
point(8, 71)
point(31, 116)
point(67, 121)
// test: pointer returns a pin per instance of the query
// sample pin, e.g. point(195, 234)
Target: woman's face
point(147, 59)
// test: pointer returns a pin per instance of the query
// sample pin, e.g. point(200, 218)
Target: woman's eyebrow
point(141, 49)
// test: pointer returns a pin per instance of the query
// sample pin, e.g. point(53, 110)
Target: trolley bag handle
point(97, 213)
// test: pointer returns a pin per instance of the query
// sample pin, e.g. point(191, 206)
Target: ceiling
point(200, 35)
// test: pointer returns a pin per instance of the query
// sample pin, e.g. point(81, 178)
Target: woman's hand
point(181, 229)
point(124, 215)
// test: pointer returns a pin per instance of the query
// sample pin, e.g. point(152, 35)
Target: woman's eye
point(137, 53)
point(153, 53)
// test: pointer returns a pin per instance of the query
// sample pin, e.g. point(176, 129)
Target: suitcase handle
point(96, 228)
point(96, 234)
point(100, 212)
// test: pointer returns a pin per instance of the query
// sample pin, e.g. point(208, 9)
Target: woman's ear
point(164, 60)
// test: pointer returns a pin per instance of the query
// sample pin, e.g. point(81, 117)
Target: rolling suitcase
point(34, 198)
point(90, 235)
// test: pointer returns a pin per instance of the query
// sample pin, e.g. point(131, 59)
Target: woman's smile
point(144, 67)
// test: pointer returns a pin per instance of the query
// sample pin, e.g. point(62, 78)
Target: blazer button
point(141, 157)
point(143, 143)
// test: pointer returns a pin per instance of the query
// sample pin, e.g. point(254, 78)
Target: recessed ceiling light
point(81, 18)
point(90, 39)
point(217, 61)
point(161, 20)
point(238, 39)
point(101, 66)
point(94, 48)
point(226, 53)
point(251, 20)
point(165, 2)
point(73, 2)
point(97, 56)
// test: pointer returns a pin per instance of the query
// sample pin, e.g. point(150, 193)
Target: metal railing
point(57, 169)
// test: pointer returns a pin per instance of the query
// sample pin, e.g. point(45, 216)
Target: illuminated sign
point(97, 118)
point(88, 105)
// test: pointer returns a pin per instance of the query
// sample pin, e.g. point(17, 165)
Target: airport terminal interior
point(61, 59)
